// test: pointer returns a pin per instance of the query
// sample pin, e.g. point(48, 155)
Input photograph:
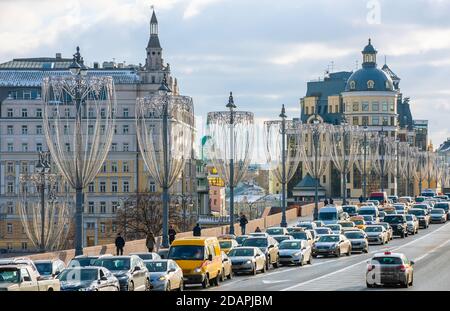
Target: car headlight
point(297, 254)
point(198, 270)
point(248, 262)
point(162, 278)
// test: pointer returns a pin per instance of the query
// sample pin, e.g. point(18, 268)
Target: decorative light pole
point(230, 146)
point(288, 152)
point(79, 124)
point(165, 136)
point(365, 165)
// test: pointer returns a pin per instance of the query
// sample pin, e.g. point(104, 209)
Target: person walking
point(150, 242)
point(325, 202)
point(361, 199)
point(172, 234)
point(243, 221)
point(331, 201)
point(258, 229)
point(120, 244)
point(197, 230)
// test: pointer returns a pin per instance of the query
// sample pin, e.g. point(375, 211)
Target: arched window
point(352, 85)
point(370, 84)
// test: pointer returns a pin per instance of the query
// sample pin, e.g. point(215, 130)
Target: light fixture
point(74, 68)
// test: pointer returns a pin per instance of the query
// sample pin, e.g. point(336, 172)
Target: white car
point(296, 252)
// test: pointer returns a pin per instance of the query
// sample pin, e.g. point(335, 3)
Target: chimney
point(95, 65)
point(58, 56)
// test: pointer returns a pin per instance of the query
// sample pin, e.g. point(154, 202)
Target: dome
point(369, 79)
point(369, 48)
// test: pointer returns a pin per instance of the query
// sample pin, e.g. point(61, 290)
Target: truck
point(22, 277)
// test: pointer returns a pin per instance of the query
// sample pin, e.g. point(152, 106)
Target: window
point(370, 84)
point(39, 113)
point(103, 113)
point(10, 130)
point(392, 121)
point(114, 167)
point(126, 147)
point(67, 112)
point(125, 129)
point(102, 186)
point(24, 247)
point(375, 106)
point(114, 147)
point(385, 121)
point(10, 208)
point(102, 129)
point(24, 147)
point(90, 129)
point(9, 228)
point(38, 147)
point(125, 112)
point(114, 186)
point(90, 225)
point(68, 147)
point(24, 113)
point(102, 227)
point(114, 228)
point(91, 208)
point(24, 130)
point(336, 108)
point(355, 106)
point(306, 111)
point(103, 207)
point(10, 167)
point(365, 106)
point(114, 205)
point(10, 113)
point(91, 187)
point(10, 147)
point(355, 120)
point(352, 85)
point(126, 186)
point(26, 94)
point(375, 120)
point(115, 129)
point(391, 107)
point(125, 167)
point(384, 106)
point(91, 112)
point(365, 120)
point(152, 186)
point(104, 167)
point(39, 130)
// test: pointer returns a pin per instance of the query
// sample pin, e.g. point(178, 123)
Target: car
point(389, 230)
point(369, 210)
point(163, 253)
point(269, 246)
point(445, 206)
point(420, 199)
point(369, 219)
point(393, 198)
point(375, 202)
point(281, 238)
point(438, 215)
point(413, 224)
point(49, 269)
point(400, 208)
point(376, 234)
point(88, 278)
point(332, 244)
point(147, 255)
point(347, 225)
point(129, 270)
point(295, 229)
point(296, 252)
point(381, 215)
point(359, 221)
point(82, 261)
point(351, 210)
point(335, 228)
point(22, 276)
point(390, 211)
point(398, 224)
point(21, 261)
point(331, 214)
point(240, 239)
point(322, 231)
point(358, 239)
point(303, 235)
point(227, 245)
point(442, 197)
point(227, 270)
point(258, 234)
point(406, 199)
point(422, 215)
point(277, 231)
point(247, 260)
point(165, 275)
point(389, 269)
point(307, 225)
point(318, 223)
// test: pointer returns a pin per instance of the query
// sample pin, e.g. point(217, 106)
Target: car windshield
point(78, 275)
point(349, 209)
point(322, 230)
point(290, 245)
point(260, 242)
point(8, 275)
point(366, 211)
point(394, 219)
point(437, 211)
point(305, 225)
point(282, 238)
point(113, 264)
point(387, 260)
point(44, 268)
point(409, 218)
point(422, 206)
point(241, 239)
point(187, 252)
point(334, 227)
point(346, 224)
point(417, 212)
point(225, 244)
point(329, 238)
point(82, 262)
point(275, 231)
point(374, 229)
point(444, 206)
point(156, 266)
point(244, 252)
point(327, 216)
point(299, 235)
point(354, 235)
point(358, 222)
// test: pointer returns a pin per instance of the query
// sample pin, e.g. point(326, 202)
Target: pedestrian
point(325, 202)
point(331, 201)
point(243, 221)
point(258, 229)
point(150, 242)
point(172, 234)
point(361, 199)
point(197, 230)
point(120, 244)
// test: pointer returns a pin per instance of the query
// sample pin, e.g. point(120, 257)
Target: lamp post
point(283, 167)
point(43, 168)
point(316, 140)
point(231, 106)
point(365, 164)
point(397, 169)
point(382, 158)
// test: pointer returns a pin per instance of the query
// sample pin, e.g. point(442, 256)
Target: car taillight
point(370, 267)
point(402, 268)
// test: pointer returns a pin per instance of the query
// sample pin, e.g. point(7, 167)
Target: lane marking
point(358, 263)
point(431, 251)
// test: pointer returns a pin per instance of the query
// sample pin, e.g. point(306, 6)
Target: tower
point(154, 59)
point(369, 55)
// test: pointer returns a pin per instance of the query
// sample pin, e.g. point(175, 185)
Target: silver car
point(147, 255)
point(247, 260)
point(336, 228)
point(49, 269)
point(88, 279)
point(358, 239)
point(438, 215)
point(332, 244)
point(376, 234)
point(296, 252)
point(412, 224)
point(165, 275)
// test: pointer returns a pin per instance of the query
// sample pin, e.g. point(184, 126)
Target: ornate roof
point(359, 80)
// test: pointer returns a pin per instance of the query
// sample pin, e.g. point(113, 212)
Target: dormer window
point(387, 85)
point(352, 85)
point(370, 84)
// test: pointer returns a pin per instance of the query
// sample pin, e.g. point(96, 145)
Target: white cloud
point(194, 7)
point(309, 51)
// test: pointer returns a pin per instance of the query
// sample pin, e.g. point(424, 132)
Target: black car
point(398, 224)
point(88, 279)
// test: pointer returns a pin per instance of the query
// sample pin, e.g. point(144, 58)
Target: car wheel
point(222, 276)
point(338, 252)
point(168, 289)
point(205, 282)
point(276, 264)
point(230, 275)
point(181, 287)
point(217, 280)
point(369, 285)
point(131, 287)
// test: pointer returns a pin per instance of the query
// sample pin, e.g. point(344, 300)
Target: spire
point(153, 23)
point(369, 55)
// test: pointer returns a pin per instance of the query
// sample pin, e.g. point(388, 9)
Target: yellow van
point(200, 258)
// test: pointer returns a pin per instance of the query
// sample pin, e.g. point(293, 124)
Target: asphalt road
point(430, 249)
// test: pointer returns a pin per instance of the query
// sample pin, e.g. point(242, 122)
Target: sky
point(263, 50)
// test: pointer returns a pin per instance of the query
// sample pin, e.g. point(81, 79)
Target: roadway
point(430, 249)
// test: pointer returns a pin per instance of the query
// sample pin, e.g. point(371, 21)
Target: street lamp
point(230, 146)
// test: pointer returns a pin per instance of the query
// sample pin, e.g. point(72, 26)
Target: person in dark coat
point(361, 199)
point(150, 242)
point(243, 221)
point(331, 201)
point(197, 230)
point(120, 244)
point(172, 234)
point(325, 202)
point(257, 229)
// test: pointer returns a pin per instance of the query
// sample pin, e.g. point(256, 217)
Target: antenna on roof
point(356, 65)
point(332, 66)
point(385, 62)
